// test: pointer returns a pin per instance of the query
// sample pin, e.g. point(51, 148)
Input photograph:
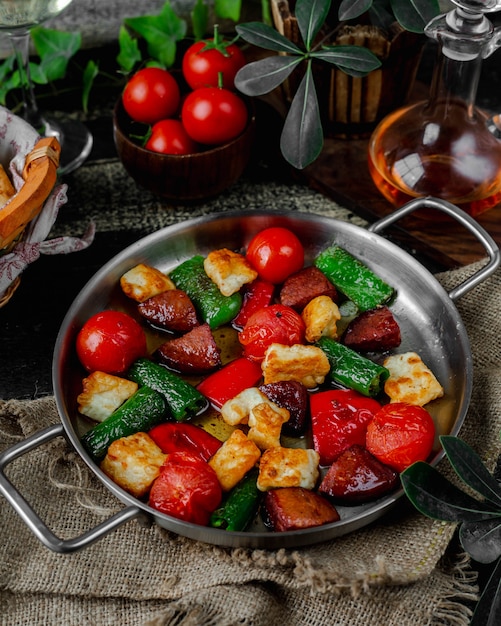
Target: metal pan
point(429, 320)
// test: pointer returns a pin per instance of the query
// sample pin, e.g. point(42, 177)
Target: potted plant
point(357, 61)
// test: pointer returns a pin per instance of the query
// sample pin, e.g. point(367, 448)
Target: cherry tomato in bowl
point(110, 341)
point(170, 137)
point(205, 61)
point(151, 94)
point(275, 253)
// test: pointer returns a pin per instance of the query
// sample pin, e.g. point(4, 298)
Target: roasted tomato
point(275, 253)
point(272, 324)
point(110, 341)
point(187, 489)
point(400, 434)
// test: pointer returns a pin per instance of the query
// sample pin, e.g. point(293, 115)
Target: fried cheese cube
point(265, 425)
point(103, 393)
point(234, 459)
point(237, 410)
point(320, 316)
point(305, 364)
point(288, 467)
point(133, 463)
point(411, 380)
point(143, 281)
point(229, 270)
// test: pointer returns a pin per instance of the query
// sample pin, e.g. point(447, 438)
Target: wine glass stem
point(20, 43)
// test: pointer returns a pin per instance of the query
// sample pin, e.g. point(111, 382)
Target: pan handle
point(33, 521)
point(465, 220)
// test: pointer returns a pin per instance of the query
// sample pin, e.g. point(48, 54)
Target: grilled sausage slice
point(195, 352)
point(294, 508)
point(171, 309)
point(305, 285)
point(373, 330)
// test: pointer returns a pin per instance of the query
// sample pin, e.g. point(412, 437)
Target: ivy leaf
point(302, 137)
point(414, 16)
point(352, 60)
point(266, 37)
point(488, 608)
point(350, 9)
point(9, 79)
point(90, 73)
point(469, 467)
point(260, 77)
point(129, 53)
point(229, 9)
point(311, 15)
point(482, 539)
point(199, 19)
point(435, 496)
point(161, 33)
point(55, 48)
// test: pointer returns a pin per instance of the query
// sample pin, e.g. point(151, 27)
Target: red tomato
point(170, 137)
point(272, 324)
point(213, 116)
point(151, 95)
point(400, 434)
point(339, 419)
point(187, 488)
point(275, 253)
point(109, 342)
point(183, 437)
point(205, 60)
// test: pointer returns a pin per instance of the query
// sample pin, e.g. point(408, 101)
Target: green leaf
point(414, 15)
point(435, 496)
point(265, 36)
point(55, 48)
point(469, 467)
point(311, 15)
point(302, 137)
point(129, 53)
point(482, 539)
point(200, 19)
point(488, 609)
point(90, 73)
point(229, 9)
point(353, 60)
point(350, 9)
point(161, 33)
point(260, 77)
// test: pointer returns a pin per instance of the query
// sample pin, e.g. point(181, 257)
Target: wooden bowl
point(188, 177)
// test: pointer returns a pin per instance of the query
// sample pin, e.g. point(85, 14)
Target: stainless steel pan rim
point(428, 313)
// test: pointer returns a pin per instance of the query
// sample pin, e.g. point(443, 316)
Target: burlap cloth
point(397, 572)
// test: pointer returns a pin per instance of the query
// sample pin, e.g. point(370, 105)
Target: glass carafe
point(445, 146)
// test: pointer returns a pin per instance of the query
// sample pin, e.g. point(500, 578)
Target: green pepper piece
point(143, 410)
point(182, 398)
point(214, 308)
point(352, 369)
point(354, 279)
point(240, 506)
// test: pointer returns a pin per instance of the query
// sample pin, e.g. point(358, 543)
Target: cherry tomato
point(205, 60)
point(183, 437)
point(170, 137)
point(110, 341)
point(272, 324)
point(400, 434)
point(275, 253)
point(187, 488)
point(151, 95)
point(213, 116)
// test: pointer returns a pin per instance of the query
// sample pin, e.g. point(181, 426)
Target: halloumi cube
point(411, 380)
point(288, 467)
point(143, 281)
point(133, 463)
point(265, 425)
point(237, 410)
point(229, 270)
point(305, 364)
point(234, 459)
point(320, 317)
point(103, 393)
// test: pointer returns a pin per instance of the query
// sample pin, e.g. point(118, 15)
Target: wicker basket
point(34, 172)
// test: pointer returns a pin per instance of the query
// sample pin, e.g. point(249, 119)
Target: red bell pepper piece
point(257, 295)
point(230, 380)
point(184, 437)
point(339, 420)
